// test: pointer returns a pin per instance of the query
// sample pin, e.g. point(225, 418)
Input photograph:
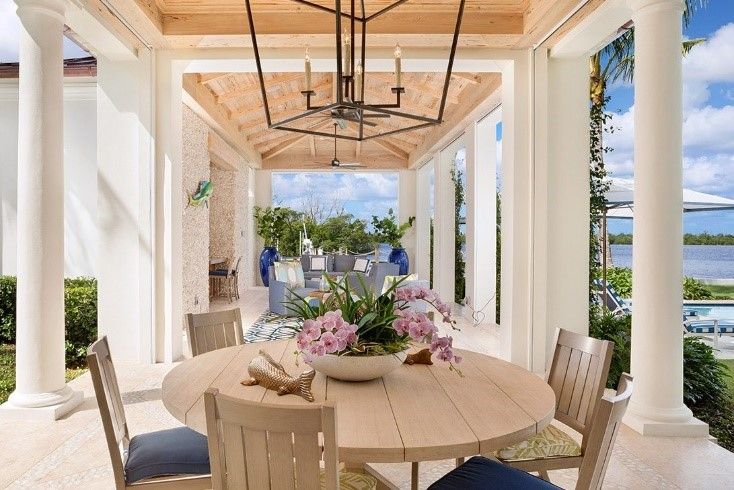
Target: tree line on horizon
point(688, 239)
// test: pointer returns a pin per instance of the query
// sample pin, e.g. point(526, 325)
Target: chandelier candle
point(358, 82)
point(307, 69)
point(347, 54)
point(398, 55)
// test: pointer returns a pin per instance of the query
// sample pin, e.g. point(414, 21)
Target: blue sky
point(362, 194)
point(708, 128)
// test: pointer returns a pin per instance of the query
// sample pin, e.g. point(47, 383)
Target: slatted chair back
point(234, 270)
point(111, 409)
point(215, 330)
point(258, 446)
point(602, 436)
point(578, 375)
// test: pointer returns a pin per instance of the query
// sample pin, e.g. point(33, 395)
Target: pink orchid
point(330, 342)
point(312, 329)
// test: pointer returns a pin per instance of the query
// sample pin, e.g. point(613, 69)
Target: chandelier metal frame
point(345, 102)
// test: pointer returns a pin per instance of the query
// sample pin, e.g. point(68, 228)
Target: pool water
point(712, 310)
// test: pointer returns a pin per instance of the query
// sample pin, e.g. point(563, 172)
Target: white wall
point(80, 175)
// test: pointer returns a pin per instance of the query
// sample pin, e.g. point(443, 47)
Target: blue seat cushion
point(179, 451)
point(218, 272)
point(480, 473)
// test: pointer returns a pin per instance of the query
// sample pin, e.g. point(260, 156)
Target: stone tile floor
point(72, 453)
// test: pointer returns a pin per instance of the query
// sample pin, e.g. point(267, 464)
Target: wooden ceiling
point(237, 98)
point(223, 23)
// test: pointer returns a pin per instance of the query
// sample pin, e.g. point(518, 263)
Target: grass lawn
point(7, 371)
point(724, 291)
point(730, 380)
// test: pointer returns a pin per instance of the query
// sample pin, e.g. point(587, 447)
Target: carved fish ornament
point(268, 373)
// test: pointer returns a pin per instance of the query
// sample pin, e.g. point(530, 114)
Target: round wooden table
point(415, 413)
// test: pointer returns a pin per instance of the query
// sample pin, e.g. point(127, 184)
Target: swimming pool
point(720, 311)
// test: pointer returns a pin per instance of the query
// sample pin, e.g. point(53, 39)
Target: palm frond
point(692, 6)
point(689, 44)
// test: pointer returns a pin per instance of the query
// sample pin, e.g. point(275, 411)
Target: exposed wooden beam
point(141, 16)
point(305, 21)
point(283, 99)
point(483, 98)
point(255, 87)
point(312, 145)
point(469, 77)
point(207, 78)
point(302, 161)
point(435, 91)
point(287, 141)
point(223, 155)
point(358, 149)
point(391, 148)
point(541, 16)
point(216, 116)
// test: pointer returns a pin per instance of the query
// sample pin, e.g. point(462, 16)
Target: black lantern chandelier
point(350, 104)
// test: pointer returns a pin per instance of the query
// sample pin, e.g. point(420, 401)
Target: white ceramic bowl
point(357, 368)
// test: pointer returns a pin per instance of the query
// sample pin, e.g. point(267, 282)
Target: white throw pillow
point(361, 265)
point(318, 263)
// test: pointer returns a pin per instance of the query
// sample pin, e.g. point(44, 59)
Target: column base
point(11, 410)
point(692, 427)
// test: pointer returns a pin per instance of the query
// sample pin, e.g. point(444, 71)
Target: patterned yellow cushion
point(551, 442)
point(353, 481)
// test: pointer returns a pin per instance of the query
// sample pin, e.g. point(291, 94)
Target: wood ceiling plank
point(207, 78)
point(312, 145)
point(287, 141)
point(253, 89)
point(414, 87)
point(314, 22)
point(302, 161)
point(283, 99)
point(203, 98)
point(482, 98)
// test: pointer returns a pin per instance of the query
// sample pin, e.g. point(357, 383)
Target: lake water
point(699, 261)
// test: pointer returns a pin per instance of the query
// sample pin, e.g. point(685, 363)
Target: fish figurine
point(268, 373)
point(423, 356)
point(202, 194)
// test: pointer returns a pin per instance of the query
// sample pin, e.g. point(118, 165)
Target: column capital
point(642, 5)
point(53, 8)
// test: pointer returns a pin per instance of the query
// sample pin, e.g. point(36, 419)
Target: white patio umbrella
point(620, 205)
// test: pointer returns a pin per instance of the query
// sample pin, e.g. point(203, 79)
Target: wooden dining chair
point(258, 446)
point(578, 375)
point(214, 330)
point(480, 472)
point(227, 279)
point(166, 459)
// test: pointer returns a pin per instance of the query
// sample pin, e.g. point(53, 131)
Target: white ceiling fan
point(335, 162)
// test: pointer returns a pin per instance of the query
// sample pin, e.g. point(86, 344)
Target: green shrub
point(693, 289)
point(621, 280)
point(7, 309)
point(605, 326)
point(705, 389)
point(80, 297)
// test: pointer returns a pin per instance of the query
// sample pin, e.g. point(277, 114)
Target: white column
point(657, 405)
point(40, 387)
point(516, 192)
point(423, 222)
point(406, 210)
point(169, 203)
point(124, 180)
point(561, 228)
point(481, 218)
point(443, 227)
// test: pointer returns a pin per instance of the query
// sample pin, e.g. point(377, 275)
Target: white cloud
point(709, 173)
point(710, 62)
point(711, 128)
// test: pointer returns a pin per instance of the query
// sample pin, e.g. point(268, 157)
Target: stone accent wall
point(195, 229)
point(231, 220)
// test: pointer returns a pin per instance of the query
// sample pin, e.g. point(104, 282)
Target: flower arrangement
point(371, 325)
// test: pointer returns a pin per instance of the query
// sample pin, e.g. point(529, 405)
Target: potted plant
point(270, 223)
point(387, 230)
point(354, 338)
